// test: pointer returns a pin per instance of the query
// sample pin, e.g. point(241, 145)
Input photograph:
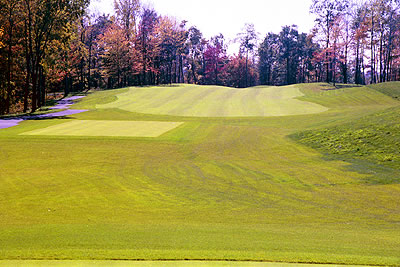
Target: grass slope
point(374, 138)
point(390, 88)
point(214, 101)
point(213, 188)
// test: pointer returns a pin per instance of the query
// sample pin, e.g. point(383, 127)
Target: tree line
point(57, 45)
point(352, 42)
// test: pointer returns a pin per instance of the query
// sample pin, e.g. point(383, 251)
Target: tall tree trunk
point(334, 63)
point(372, 49)
point(381, 58)
point(9, 65)
point(246, 74)
point(346, 48)
point(363, 67)
point(287, 71)
point(178, 69)
point(26, 89)
point(216, 72)
point(34, 90)
point(194, 71)
point(28, 57)
point(82, 75)
point(327, 47)
point(357, 70)
point(181, 69)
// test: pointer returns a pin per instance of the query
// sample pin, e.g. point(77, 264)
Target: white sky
point(228, 17)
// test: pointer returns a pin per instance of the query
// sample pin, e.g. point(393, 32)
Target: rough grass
point(390, 88)
point(213, 189)
point(374, 138)
point(214, 101)
point(107, 128)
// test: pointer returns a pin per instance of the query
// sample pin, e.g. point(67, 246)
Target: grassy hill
point(374, 139)
point(390, 88)
point(226, 188)
point(214, 101)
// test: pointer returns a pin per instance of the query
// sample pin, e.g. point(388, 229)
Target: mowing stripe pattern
point(108, 128)
point(215, 101)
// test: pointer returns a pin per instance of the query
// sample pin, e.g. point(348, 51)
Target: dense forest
point(58, 45)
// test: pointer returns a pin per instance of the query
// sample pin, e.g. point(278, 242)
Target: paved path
point(61, 104)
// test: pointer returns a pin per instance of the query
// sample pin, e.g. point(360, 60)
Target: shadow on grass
point(377, 173)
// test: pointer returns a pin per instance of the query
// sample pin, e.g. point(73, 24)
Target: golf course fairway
point(227, 178)
point(110, 263)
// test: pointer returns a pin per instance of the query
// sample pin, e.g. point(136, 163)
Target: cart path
point(61, 104)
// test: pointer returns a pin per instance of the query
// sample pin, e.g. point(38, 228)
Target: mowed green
point(211, 189)
point(183, 263)
point(215, 101)
point(108, 128)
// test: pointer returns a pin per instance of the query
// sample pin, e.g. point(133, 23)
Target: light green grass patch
point(214, 101)
point(108, 128)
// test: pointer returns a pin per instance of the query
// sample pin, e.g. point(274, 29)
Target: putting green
point(215, 101)
point(108, 128)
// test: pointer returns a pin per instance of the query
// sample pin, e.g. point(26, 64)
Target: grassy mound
point(350, 97)
point(375, 138)
point(214, 101)
point(390, 88)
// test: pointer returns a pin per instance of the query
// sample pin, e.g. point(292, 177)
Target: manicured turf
point(16, 263)
point(215, 101)
point(210, 189)
point(108, 128)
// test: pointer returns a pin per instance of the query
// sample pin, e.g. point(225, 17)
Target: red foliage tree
point(215, 61)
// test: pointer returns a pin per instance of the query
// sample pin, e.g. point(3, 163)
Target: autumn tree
point(115, 55)
point(195, 47)
point(127, 12)
point(383, 18)
point(287, 57)
point(215, 60)
point(45, 21)
point(307, 48)
point(95, 32)
point(268, 54)
point(148, 44)
point(288, 52)
point(327, 12)
point(10, 18)
point(173, 49)
point(359, 32)
point(248, 42)
point(236, 73)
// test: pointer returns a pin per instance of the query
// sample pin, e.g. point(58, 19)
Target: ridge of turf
point(214, 101)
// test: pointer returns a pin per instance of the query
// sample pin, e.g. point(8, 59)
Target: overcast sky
point(229, 16)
